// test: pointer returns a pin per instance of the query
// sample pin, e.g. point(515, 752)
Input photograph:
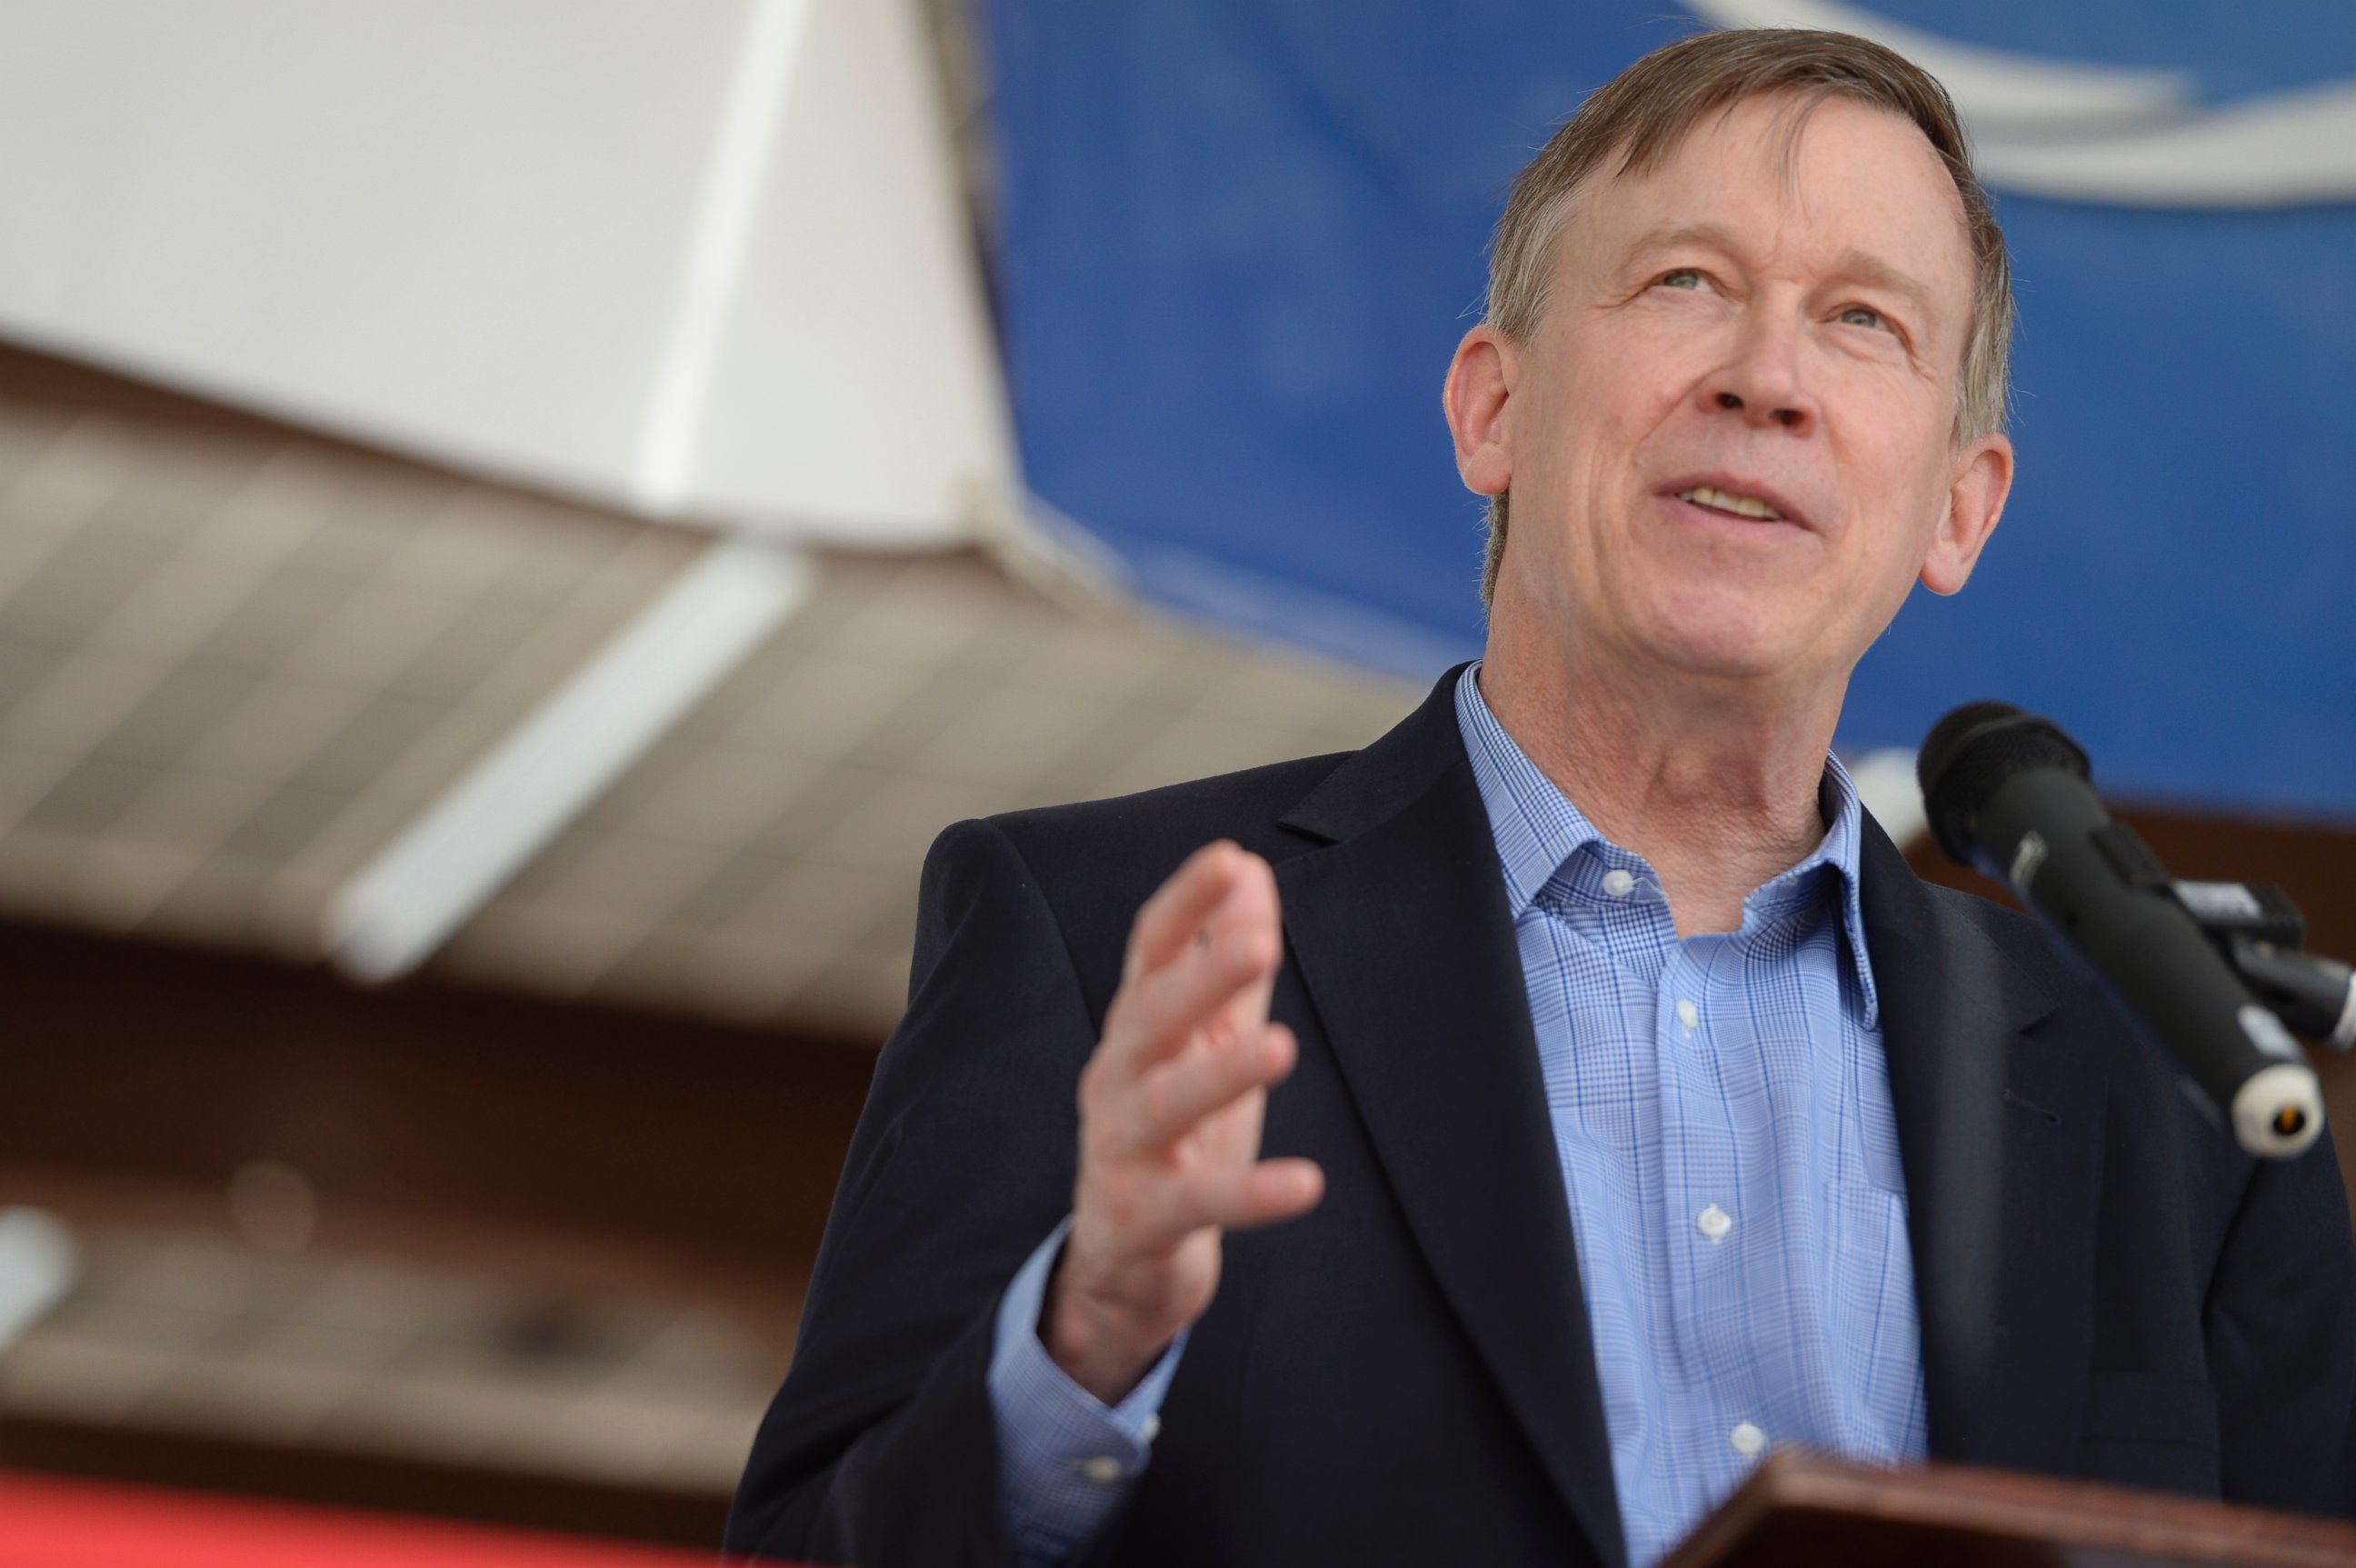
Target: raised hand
point(1171, 1107)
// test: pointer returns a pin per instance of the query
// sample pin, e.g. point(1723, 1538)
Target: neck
point(1714, 782)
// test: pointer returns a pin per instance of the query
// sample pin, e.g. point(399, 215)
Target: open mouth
point(1732, 503)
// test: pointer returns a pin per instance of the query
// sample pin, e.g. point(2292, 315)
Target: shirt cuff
point(1066, 1459)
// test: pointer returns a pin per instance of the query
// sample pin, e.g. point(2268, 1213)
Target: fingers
point(1272, 1191)
point(1220, 987)
point(1218, 1182)
point(1170, 1106)
point(1176, 1096)
point(1263, 1193)
point(1182, 906)
point(1160, 1218)
point(1119, 1298)
point(1169, 919)
point(1201, 955)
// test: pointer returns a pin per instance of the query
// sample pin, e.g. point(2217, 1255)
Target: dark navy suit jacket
point(2108, 1287)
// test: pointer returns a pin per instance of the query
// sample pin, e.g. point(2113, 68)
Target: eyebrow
point(1669, 236)
point(1853, 264)
point(1874, 272)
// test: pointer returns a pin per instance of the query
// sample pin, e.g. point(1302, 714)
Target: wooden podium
point(1803, 1511)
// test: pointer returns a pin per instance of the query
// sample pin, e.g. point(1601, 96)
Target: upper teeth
point(1726, 501)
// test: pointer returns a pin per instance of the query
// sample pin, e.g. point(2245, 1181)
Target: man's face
point(1729, 442)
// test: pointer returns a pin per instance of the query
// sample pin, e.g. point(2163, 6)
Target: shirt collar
point(1538, 830)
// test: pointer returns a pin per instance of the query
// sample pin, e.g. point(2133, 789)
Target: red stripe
point(51, 1523)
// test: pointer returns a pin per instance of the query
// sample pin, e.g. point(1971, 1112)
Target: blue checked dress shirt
point(1721, 1111)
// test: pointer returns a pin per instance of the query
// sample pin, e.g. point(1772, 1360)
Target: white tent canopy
point(700, 257)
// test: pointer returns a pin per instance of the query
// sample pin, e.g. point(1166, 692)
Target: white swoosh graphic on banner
point(1993, 88)
point(2118, 136)
point(2287, 149)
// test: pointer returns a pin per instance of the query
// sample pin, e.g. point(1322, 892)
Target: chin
point(1726, 641)
point(1723, 663)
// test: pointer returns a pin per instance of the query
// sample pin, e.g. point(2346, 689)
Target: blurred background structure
point(519, 525)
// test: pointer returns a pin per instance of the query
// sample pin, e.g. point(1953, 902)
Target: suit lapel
point(2001, 1132)
point(1401, 929)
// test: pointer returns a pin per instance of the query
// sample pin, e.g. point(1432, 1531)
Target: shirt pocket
point(1869, 1222)
point(1874, 1332)
point(2148, 1430)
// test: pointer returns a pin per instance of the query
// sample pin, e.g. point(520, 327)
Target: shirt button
point(1714, 1223)
point(1689, 1015)
point(1104, 1469)
point(1149, 1429)
point(1748, 1440)
point(1619, 884)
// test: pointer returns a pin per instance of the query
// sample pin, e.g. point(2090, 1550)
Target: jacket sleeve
point(881, 1450)
point(2280, 1322)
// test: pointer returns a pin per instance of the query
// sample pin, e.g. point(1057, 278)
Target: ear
point(1477, 398)
point(1976, 492)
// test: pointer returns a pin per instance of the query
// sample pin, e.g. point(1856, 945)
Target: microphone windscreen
point(1971, 752)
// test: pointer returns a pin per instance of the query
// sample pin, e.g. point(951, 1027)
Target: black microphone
point(2008, 793)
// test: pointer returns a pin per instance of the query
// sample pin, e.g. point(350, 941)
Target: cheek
point(1893, 456)
point(1650, 362)
point(1910, 503)
point(1624, 389)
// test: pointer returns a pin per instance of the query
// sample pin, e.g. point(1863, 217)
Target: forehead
point(1804, 178)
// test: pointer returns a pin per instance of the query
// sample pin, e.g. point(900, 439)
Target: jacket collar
point(1401, 926)
point(2000, 1129)
point(1401, 929)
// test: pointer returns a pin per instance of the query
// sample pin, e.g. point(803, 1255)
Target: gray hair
point(1645, 110)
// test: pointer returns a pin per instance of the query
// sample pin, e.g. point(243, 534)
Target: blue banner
point(1240, 238)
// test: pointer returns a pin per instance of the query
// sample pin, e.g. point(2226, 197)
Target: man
point(1632, 1107)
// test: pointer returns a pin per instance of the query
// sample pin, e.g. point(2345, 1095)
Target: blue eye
point(1862, 315)
point(1683, 278)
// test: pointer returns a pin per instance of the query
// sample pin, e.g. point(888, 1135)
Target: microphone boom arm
point(2259, 931)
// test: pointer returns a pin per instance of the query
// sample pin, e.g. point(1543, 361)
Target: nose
point(1761, 382)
